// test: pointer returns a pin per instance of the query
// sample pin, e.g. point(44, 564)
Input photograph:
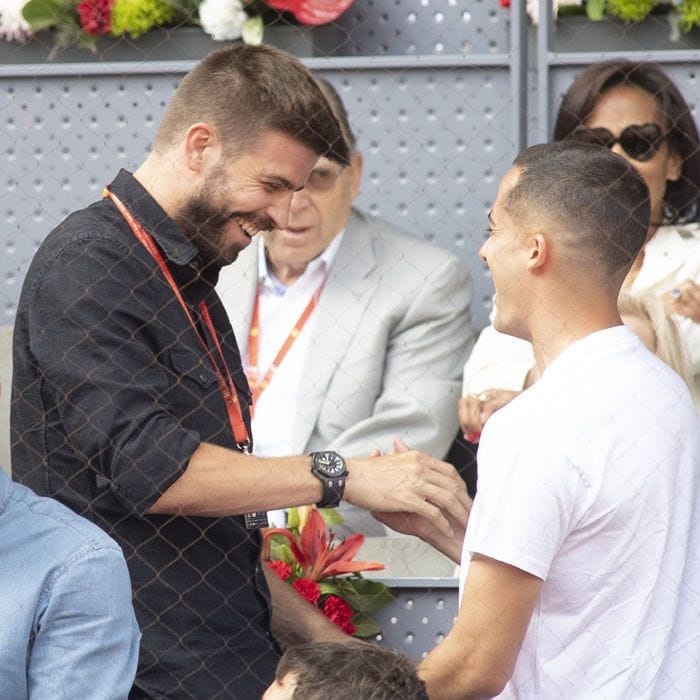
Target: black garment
point(112, 394)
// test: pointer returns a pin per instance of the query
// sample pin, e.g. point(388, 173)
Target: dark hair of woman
point(681, 197)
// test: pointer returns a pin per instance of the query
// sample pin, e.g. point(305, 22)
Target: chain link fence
point(441, 96)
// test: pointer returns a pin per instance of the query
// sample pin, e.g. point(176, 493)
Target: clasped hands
point(411, 493)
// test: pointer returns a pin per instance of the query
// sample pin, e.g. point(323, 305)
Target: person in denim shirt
point(68, 626)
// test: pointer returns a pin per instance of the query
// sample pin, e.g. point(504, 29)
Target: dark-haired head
point(347, 671)
point(680, 198)
point(245, 91)
point(596, 203)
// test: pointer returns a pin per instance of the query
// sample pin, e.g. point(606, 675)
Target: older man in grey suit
point(352, 332)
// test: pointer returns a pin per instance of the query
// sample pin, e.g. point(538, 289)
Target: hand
point(475, 409)
point(419, 526)
point(410, 482)
point(684, 300)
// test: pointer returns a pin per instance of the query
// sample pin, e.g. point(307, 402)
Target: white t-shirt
point(590, 481)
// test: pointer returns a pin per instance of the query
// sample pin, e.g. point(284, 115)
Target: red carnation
point(281, 568)
point(339, 612)
point(505, 3)
point(95, 16)
point(307, 589)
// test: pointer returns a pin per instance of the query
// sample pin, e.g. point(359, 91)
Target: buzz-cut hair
point(597, 201)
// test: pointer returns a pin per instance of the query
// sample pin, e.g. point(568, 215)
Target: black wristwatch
point(329, 468)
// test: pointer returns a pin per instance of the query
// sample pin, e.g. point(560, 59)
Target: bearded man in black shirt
point(129, 394)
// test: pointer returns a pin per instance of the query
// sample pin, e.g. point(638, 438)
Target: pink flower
point(281, 568)
point(95, 16)
point(308, 590)
point(339, 612)
point(312, 11)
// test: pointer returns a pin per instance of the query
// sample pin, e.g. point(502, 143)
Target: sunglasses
point(638, 141)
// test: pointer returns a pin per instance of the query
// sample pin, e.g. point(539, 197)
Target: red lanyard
point(256, 387)
point(226, 385)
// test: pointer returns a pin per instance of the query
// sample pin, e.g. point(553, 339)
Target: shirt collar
point(171, 240)
point(5, 489)
point(572, 358)
point(322, 262)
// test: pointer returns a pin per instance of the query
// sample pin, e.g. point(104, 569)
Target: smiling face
point(317, 215)
point(506, 254)
point(243, 196)
point(626, 105)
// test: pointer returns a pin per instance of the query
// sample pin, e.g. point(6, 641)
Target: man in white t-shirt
point(581, 572)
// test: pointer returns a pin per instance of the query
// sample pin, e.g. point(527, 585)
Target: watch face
point(330, 463)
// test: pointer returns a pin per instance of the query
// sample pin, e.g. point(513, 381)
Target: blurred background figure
point(345, 671)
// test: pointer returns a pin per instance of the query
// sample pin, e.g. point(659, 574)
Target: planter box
point(172, 44)
point(579, 34)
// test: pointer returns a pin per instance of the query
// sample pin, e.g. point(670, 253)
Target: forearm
point(220, 482)
point(294, 621)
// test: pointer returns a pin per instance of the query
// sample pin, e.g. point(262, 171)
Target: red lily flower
point(312, 12)
point(315, 553)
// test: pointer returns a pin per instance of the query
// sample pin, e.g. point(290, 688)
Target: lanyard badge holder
point(256, 519)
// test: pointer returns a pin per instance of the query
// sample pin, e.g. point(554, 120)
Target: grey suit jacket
point(392, 333)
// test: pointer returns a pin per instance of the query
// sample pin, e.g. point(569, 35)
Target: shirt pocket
point(189, 365)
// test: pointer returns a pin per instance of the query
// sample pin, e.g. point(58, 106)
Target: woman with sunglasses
point(636, 110)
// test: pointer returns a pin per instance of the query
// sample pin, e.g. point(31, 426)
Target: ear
point(357, 162)
point(674, 167)
point(201, 146)
point(538, 251)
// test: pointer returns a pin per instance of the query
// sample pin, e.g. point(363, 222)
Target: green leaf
point(365, 626)
point(595, 9)
point(43, 14)
point(293, 519)
point(331, 516)
point(363, 594)
point(328, 587)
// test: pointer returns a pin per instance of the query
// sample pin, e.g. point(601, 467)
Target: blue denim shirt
point(67, 624)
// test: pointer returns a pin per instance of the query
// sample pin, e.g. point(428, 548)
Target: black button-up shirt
point(112, 394)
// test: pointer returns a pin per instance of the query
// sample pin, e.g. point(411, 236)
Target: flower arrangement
point(80, 22)
point(682, 15)
point(305, 556)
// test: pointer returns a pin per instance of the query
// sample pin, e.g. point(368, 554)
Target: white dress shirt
point(279, 308)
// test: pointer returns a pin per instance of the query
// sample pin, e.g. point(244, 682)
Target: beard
point(203, 222)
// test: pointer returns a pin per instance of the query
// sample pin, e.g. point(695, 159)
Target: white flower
point(533, 8)
point(223, 19)
point(13, 27)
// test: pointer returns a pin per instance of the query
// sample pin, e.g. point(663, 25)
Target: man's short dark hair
point(351, 671)
point(244, 91)
point(597, 201)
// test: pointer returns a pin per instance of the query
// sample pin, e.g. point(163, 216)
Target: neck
point(552, 331)
point(161, 185)
point(286, 274)
point(639, 260)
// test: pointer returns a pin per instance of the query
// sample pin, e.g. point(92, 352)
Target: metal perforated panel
point(418, 618)
point(396, 27)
